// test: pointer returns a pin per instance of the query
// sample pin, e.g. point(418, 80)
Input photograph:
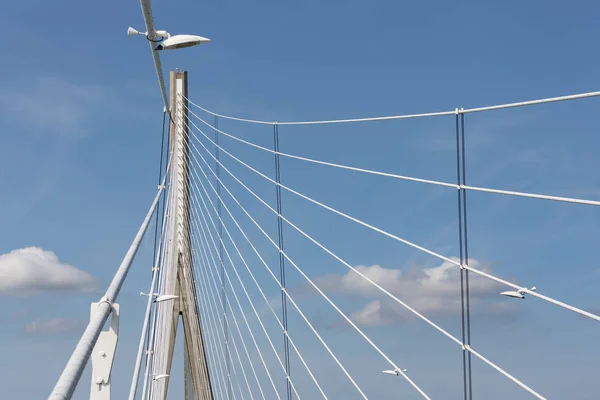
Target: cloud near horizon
point(53, 326)
point(32, 270)
point(433, 291)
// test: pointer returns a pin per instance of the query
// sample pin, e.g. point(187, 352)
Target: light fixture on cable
point(167, 42)
point(394, 371)
point(519, 294)
point(158, 297)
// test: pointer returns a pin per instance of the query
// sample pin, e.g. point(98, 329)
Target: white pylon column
point(178, 277)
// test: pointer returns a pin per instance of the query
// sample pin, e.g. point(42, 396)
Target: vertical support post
point(463, 254)
point(103, 356)
point(221, 262)
point(286, 345)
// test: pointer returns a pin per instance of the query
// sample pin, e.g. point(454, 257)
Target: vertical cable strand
point(466, 252)
point(223, 294)
point(286, 345)
point(460, 251)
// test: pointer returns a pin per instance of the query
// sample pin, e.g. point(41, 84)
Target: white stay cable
point(394, 117)
point(385, 233)
point(217, 309)
point(312, 160)
point(249, 300)
point(210, 328)
point(206, 250)
point(253, 277)
point(241, 336)
point(207, 264)
point(218, 335)
point(200, 254)
point(258, 348)
point(403, 177)
point(421, 316)
point(394, 365)
point(214, 310)
point(202, 277)
point(333, 121)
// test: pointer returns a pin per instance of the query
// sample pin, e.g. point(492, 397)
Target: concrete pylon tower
point(178, 277)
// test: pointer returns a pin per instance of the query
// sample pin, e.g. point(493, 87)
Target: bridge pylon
point(178, 277)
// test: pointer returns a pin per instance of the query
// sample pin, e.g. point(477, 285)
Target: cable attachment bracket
point(103, 354)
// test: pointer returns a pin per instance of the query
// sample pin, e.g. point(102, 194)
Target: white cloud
point(31, 271)
point(387, 311)
point(431, 291)
point(372, 314)
point(53, 326)
point(439, 281)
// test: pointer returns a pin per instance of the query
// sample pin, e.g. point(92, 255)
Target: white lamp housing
point(165, 297)
point(394, 371)
point(181, 41)
point(512, 293)
point(517, 294)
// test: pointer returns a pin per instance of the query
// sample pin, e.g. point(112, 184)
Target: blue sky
point(81, 121)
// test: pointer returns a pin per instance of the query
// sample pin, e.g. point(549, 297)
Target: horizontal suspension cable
point(335, 121)
point(421, 316)
point(532, 102)
point(407, 116)
point(388, 234)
